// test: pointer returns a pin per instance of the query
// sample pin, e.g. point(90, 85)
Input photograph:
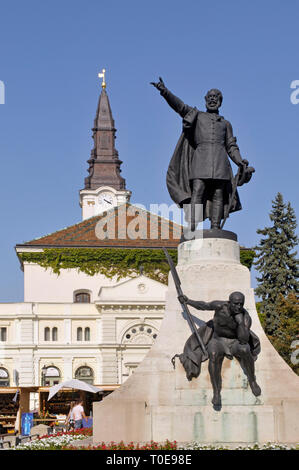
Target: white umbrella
point(74, 383)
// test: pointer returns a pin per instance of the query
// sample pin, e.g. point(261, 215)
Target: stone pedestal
point(159, 403)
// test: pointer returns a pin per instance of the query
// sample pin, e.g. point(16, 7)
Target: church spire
point(104, 187)
point(104, 164)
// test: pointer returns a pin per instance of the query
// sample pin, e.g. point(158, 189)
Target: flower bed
point(256, 446)
point(64, 440)
point(131, 446)
point(174, 446)
point(55, 441)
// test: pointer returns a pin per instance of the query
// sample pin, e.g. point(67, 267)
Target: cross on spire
point(102, 75)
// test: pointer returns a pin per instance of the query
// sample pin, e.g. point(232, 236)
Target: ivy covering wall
point(112, 261)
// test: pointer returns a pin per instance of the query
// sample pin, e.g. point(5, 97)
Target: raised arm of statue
point(174, 102)
point(200, 305)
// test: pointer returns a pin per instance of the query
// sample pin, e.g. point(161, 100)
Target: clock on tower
point(106, 201)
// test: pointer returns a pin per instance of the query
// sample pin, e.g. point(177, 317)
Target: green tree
point(285, 337)
point(276, 262)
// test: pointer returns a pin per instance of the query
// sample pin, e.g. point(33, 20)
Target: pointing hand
point(160, 85)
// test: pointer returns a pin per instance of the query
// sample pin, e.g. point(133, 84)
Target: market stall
point(8, 409)
point(51, 412)
point(59, 405)
point(12, 400)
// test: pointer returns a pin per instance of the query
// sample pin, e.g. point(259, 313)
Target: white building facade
point(107, 337)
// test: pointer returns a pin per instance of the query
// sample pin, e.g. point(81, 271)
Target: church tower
point(104, 187)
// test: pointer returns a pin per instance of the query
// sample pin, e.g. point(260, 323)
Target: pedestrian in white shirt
point(78, 414)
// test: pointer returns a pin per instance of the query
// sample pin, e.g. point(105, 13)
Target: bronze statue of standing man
point(199, 171)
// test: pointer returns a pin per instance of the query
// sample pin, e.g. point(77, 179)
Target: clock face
point(106, 200)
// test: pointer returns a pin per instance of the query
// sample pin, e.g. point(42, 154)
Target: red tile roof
point(128, 227)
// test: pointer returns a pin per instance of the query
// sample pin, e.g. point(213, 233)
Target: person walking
point(70, 422)
point(79, 415)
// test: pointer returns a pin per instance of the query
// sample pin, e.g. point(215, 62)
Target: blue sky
point(50, 54)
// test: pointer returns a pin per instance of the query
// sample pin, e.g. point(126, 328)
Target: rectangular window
point(3, 334)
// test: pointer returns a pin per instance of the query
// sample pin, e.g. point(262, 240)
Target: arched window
point(140, 334)
point(82, 297)
point(87, 334)
point(79, 334)
point(54, 334)
point(50, 376)
point(47, 334)
point(4, 377)
point(85, 374)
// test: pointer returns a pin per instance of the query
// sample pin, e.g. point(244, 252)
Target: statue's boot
point(216, 400)
point(216, 215)
point(255, 388)
point(247, 364)
point(196, 214)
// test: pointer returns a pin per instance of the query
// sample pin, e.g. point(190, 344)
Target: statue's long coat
point(191, 160)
